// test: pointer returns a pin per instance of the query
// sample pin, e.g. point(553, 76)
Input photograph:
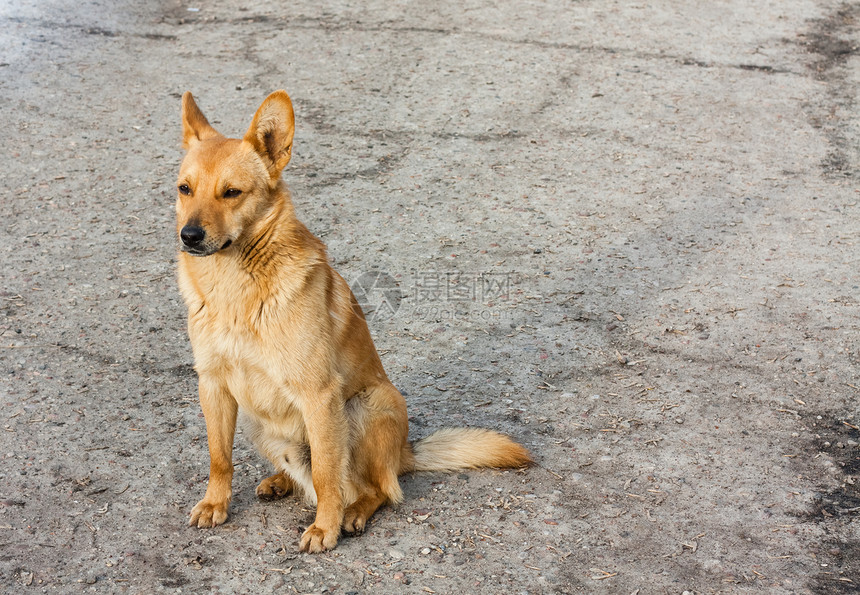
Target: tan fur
point(278, 335)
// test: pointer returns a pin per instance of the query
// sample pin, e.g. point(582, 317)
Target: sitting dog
point(277, 333)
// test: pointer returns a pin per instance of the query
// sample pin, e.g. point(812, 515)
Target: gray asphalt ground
point(622, 232)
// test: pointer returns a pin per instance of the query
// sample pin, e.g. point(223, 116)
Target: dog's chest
point(233, 343)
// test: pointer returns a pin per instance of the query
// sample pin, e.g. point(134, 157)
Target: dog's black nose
point(192, 235)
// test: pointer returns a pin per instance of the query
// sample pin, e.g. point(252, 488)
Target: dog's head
point(227, 184)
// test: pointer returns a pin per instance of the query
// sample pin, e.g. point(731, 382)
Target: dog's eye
point(184, 189)
point(232, 193)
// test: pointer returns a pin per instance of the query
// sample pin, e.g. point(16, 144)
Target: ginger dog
point(277, 333)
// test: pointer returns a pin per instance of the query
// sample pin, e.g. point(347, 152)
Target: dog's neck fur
point(262, 248)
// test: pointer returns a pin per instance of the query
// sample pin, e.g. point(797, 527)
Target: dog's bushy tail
point(464, 448)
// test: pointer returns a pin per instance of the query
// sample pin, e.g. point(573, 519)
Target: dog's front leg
point(219, 409)
point(328, 434)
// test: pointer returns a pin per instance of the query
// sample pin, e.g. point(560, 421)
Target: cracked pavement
point(623, 233)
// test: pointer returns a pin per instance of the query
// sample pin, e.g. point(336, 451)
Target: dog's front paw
point(315, 539)
point(208, 514)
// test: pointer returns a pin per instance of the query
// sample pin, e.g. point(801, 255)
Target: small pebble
point(425, 551)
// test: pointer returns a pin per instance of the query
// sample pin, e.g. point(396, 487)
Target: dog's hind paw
point(315, 540)
point(208, 514)
point(276, 486)
point(354, 521)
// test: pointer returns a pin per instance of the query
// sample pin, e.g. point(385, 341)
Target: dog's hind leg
point(357, 513)
point(376, 457)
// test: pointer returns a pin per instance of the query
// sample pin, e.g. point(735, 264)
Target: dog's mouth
point(204, 250)
point(195, 251)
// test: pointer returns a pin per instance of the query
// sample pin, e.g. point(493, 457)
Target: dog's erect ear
point(195, 126)
point(271, 132)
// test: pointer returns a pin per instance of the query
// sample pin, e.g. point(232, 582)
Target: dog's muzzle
point(196, 242)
